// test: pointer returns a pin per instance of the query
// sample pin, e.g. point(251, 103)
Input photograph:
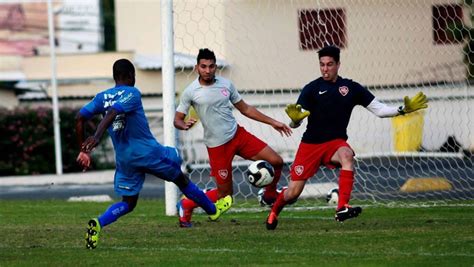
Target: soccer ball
point(332, 196)
point(260, 173)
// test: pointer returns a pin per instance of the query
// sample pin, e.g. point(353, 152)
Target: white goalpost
point(171, 191)
point(268, 49)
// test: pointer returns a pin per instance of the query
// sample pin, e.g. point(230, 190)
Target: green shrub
point(27, 142)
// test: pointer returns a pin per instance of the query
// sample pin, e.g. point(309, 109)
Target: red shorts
point(243, 144)
point(310, 156)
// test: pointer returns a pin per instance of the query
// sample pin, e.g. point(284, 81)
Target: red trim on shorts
point(243, 144)
point(310, 157)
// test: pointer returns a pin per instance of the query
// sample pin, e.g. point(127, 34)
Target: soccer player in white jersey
point(212, 97)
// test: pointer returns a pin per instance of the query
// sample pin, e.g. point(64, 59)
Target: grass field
point(50, 233)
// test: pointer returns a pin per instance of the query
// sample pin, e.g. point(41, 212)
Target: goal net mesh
point(268, 49)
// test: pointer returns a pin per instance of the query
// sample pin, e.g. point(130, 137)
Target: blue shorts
point(163, 162)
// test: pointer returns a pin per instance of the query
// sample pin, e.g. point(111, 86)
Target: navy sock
point(192, 192)
point(113, 213)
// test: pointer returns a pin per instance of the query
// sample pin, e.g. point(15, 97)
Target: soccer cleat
point(265, 200)
point(222, 205)
point(184, 215)
point(272, 221)
point(347, 212)
point(92, 235)
point(269, 201)
point(184, 224)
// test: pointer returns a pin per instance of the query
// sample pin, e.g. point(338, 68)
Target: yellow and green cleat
point(92, 235)
point(222, 205)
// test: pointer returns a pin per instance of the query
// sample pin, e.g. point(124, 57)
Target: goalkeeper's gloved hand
point(295, 114)
point(419, 101)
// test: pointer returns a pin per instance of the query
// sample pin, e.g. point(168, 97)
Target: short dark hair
point(205, 53)
point(330, 51)
point(123, 69)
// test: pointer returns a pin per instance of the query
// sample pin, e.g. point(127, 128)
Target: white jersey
point(214, 106)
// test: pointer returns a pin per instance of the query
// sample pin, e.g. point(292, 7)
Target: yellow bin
point(408, 131)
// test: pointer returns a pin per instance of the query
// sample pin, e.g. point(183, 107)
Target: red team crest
point(343, 90)
point(299, 169)
point(223, 173)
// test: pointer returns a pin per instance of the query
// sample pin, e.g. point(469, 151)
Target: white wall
point(388, 42)
point(8, 99)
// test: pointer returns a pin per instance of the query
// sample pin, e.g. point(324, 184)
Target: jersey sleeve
point(129, 101)
point(92, 108)
point(365, 96)
point(184, 102)
point(234, 94)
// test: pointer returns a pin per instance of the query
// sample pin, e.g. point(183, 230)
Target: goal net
point(268, 49)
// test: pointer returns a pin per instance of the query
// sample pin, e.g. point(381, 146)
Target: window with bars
point(443, 17)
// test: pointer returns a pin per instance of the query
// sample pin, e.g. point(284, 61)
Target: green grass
point(50, 233)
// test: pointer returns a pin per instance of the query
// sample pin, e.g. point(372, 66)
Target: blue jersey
point(331, 105)
point(136, 150)
point(130, 133)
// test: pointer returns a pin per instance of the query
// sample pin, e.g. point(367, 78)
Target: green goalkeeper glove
point(419, 101)
point(295, 114)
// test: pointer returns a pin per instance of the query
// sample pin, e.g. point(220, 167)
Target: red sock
point(346, 181)
point(270, 190)
point(280, 203)
point(213, 195)
point(189, 204)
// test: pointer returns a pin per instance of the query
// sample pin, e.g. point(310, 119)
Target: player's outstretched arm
point(296, 114)
point(253, 113)
point(419, 101)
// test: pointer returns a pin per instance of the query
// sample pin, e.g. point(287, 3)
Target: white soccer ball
point(332, 196)
point(260, 173)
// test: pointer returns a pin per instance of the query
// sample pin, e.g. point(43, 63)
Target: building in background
point(266, 47)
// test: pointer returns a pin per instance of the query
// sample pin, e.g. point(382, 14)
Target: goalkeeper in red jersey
point(328, 103)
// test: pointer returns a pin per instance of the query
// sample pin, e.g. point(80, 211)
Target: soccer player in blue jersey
point(136, 150)
point(328, 102)
point(213, 98)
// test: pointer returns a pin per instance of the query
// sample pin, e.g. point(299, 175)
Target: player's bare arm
point(180, 122)
point(92, 141)
point(253, 113)
point(83, 159)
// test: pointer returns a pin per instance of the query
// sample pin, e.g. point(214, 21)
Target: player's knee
point(131, 202)
point(131, 206)
point(182, 181)
point(276, 162)
point(346, 157)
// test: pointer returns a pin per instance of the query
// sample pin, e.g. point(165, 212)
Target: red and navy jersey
point(331, 105)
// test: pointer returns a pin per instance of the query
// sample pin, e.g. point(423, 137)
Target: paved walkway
point(93, 177)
